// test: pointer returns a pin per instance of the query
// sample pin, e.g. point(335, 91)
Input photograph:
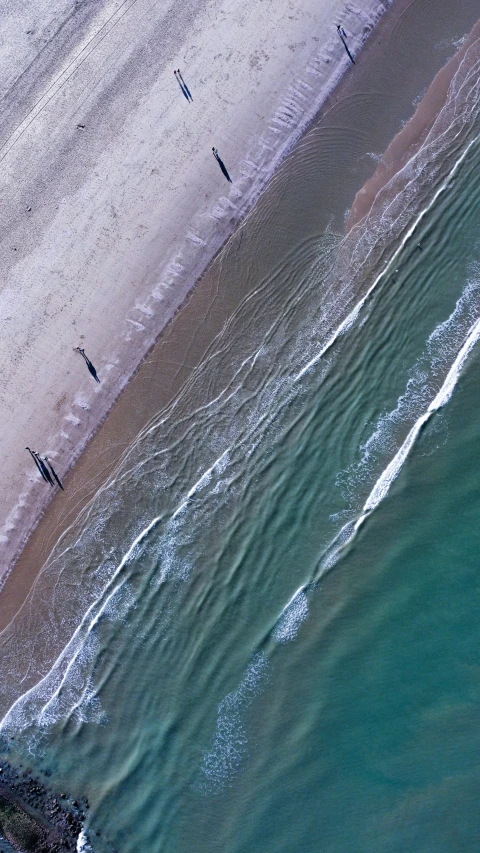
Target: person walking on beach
point(55, 475)
point(342, 34)
point(88, 363)
point(37, 463)
point(184, 84)
point(43, 467)
point(182, 87)
point(221, 164)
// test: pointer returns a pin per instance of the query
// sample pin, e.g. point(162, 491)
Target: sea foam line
point(83, 845)
point(202, 481)
point(392, 470)
point(77, 641)
point(346, 324)
point(91, 618)
point(223, 758)
point(382, 486)
point(291, 617)
point(380, 490)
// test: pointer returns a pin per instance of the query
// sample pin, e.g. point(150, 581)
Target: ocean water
point(262, 633)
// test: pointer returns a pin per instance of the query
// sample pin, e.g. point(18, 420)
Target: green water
point(278, 656)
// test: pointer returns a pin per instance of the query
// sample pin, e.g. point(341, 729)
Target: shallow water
point(279, 651)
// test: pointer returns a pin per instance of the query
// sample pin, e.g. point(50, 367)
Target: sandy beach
point(269, 498)
point(112, 202)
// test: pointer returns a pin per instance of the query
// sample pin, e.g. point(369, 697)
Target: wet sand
point(410, 139)
point(112, 201)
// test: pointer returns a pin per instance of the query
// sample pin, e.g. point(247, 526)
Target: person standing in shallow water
point(221, 164)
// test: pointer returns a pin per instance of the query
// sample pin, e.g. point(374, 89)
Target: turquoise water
point(279, 585)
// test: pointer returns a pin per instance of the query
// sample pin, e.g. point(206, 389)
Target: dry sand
point(112, 203)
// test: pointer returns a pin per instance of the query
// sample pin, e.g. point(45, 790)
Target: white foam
point(344, 326)
point(204, 480)
point(62, 687)
point(348, 322)
point(73, 656)
point(424, 379)
point(392, 470)
point(294, 613)
point(229, 743)
point(83, 844)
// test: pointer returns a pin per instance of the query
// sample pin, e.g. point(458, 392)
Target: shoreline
point(409, 141)
point(103, 448)
point(257, 433)
point(87, 507)
point(206, 233)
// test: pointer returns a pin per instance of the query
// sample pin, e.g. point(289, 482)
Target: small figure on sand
point(44, 468)
point(37, 463)
point(341, 32)
point(221, 164)
point(53, 472)
point(182, 87)
point(88, 363)
point(184, 84)
point(41, 466)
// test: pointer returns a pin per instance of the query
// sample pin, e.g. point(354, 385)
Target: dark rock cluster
point(32, 818)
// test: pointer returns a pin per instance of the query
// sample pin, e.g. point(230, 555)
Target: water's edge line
point(280, 156)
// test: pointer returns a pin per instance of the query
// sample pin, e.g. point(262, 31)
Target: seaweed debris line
point(34, 819)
